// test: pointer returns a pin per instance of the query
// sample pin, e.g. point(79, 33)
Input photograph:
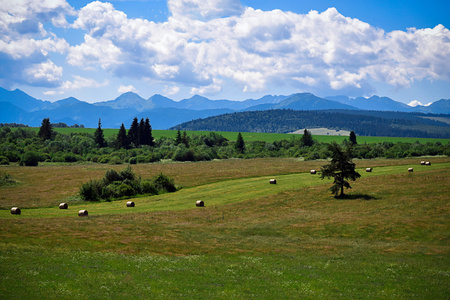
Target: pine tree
point(122, 140)
point(141, 133)
point(148, 133)
point(46, 130)
point(240, 144)
point(306, 139)
point(133, 133)
point(178, 139)
point(352, 138)
point(185, 139)
point(340, 168)
point(99, 138)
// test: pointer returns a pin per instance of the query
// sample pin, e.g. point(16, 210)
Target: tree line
point(137, 145)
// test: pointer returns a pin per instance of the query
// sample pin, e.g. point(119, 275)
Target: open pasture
point(257, 136)
point(252, 240)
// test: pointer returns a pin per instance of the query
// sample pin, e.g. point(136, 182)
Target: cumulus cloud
point(415, 103)
point(77, 83)
point(25, 45)
point(171, 90)
point(206, 44)
point(205, 9)
point(127, 88)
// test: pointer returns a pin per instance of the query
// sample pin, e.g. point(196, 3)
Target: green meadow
point(253, 240)
point(266, 137)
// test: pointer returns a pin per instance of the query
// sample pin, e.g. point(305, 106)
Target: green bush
point(4, 160)
point(149, 187)
point(164, 183)
point(132, 161)
point(30, 159)
point(91, 190)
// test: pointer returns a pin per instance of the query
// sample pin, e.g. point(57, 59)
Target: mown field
point(252, 240)
point(266, 137)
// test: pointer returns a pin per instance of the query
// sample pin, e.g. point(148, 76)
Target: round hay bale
point(368, 169)
point(427, 163)
point(422, 162)
point(130, 204)
point(83, 213)
point(410, 169)
point(313, 171)
point(200, 203)
point(63, 206)
point(15, 211)
point(273, 181)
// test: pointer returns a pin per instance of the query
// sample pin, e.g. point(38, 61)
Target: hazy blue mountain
point(373, 103)
point(9, 113)
point(439, 107)
point(128, 100)
point(161, 101)
point(22, 100)
point(302, 101)
point(18, 107)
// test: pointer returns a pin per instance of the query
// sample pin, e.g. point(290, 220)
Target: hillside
point(284, 121)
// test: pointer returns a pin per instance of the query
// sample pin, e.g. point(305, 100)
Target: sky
point(226, 49)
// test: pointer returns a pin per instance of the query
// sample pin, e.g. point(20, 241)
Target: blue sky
point(226, 49)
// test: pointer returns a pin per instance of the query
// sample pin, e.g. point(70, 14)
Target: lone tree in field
point(99, 138)
point(306, 139)
point(46, 130)
point(240, 144)
point(341, 169)
point(352, 138)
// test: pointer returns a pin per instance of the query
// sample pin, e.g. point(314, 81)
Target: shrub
point(6, 179)
point(30, 158)
point(127, 173)
point(115, 160)
point(164, 183)
point(149, 187)
point(4, 160)
point(132, 161)
point(111, 176)
point(91, 190)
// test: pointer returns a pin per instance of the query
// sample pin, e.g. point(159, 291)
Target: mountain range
point(18, 107)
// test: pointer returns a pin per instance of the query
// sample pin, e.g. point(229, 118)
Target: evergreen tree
point(240, 144)
point(122, 140)
point(148, 133)
point(352, 138)
point(185, 139)
point(306, 139)
point(141, 132)
point(340, 168)
point(178, 139)
point(46, 130)
point(99, 138)
point(133, 133)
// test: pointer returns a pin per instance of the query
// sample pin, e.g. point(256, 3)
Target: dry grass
point(49, 184)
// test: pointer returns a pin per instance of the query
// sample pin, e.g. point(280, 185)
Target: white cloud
point(209, 44)
point(415, 103)
point(127, 88)
point(205, 9)
point(171, 90)
point(26, 46)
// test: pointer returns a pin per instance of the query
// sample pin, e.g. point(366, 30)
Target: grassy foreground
point(389, 239)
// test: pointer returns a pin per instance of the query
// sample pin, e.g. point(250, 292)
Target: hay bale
point(422, 162)
point(368, 169)
point(273, 181)
point(313, 171)
point(427, 163)
point(130, 204)
point(63, 206)
point(410, 169)
point(83, 213)
point(200, 203)
point(15, 211)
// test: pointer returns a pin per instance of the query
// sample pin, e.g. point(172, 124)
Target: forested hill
point(284, 121)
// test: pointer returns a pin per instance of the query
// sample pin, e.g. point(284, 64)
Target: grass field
point(252, 240)
point(267, 137)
